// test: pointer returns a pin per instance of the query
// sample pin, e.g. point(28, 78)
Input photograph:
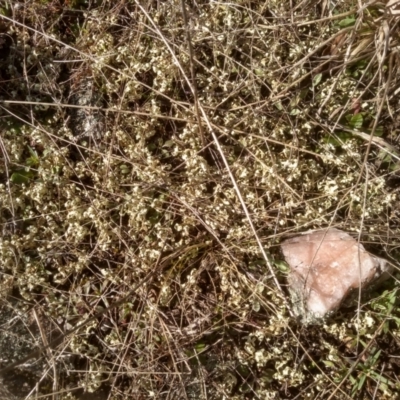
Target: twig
point(158, 267)
point(193, 74)
point(225, 161)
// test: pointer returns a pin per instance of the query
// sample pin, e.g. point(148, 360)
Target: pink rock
point(325, 265)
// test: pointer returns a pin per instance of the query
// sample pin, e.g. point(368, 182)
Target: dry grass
point(152, 161)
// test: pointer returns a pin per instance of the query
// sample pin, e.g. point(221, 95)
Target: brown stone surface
point(5, 394)
point(19, 336)
point(325, 265)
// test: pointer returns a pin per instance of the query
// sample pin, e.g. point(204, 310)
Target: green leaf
point(356, 121)
point(200, 346)
point(33, 160)
point(169, 143)
point(245, 388)
point(303, 93)
point(386, 327)
point(361, 64)
point(329, 364)
point(153, 215)
point(338, 139)
point(379, 377)
point(349, 21)
point(376, 357)
point(32, 152)
point(385, 157)
point(256, 306)
point(295, 111)
point(378, 131)
point(281, 265)
point(124, 169)
point(21, 177)
point(361, 381)
point(317, 79)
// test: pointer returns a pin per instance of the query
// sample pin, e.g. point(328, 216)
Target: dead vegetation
point(152, 163)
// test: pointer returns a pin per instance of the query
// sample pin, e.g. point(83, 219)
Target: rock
point(19, 337)
point(87, 121)
point(5, 394)
point(325, 265)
